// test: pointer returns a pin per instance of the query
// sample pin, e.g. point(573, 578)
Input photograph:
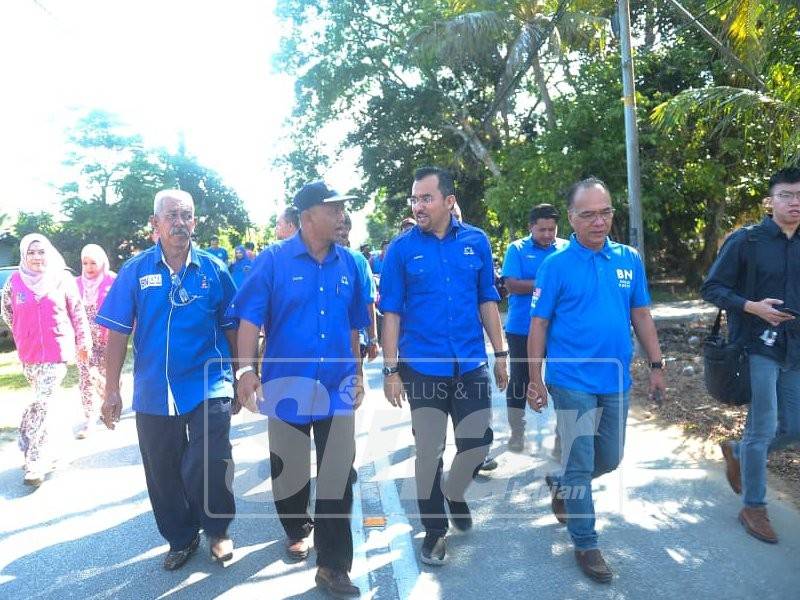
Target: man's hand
point(372, 351)
point(111, 409)
point(248, 391)
point(765, 309)
point(393, 390)
point(658, 386)
point(537, 395)
point(501, 373)
point(358, 391)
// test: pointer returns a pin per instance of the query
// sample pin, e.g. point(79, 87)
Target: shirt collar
point(587, 253)
point(191, 256)
point(297, 247)
point(454, 228)
point(772, 228)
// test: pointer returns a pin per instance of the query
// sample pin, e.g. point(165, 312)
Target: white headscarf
point(91, 285)
point(41, 283)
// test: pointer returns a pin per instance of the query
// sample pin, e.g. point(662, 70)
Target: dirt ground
point(703, 419)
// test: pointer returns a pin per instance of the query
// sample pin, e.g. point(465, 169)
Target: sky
point(165, 67)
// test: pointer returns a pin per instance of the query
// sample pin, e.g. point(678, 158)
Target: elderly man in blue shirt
point(173, 298)
point(437, 296)
point(522, 260)
point(307, 294)
point(586, 298)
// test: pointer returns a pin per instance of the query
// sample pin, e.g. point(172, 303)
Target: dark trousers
point(517, 382)
point(188, 467)
point(290, 465)
point(467, 400)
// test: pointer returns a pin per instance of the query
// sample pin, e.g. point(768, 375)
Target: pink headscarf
point(90, 286)
point(41, 283)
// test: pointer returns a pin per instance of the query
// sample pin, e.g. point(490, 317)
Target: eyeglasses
point(425, 200)
point(787, 196)
point(177, 290)
point(590, 215)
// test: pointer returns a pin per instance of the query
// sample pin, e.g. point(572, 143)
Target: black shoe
point(434, 549)
point(460, 515)
point(336, 583)
point(489, 464)
point(516, 443)
point(175, 559)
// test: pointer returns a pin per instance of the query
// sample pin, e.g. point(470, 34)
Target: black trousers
point(290, 465)
point(467, 400)
point(517, 382)
point(188, 467)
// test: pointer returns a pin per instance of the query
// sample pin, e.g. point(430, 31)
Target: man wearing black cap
point(306, 293)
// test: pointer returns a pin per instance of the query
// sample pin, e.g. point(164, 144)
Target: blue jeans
point(592, 429)
point(773, 422)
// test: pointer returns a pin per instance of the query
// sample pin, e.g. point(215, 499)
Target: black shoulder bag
point(726, 363)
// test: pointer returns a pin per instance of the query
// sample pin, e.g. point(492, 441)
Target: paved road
point(668, 526)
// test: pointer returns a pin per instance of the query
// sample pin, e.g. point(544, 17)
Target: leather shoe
point(175, 559)
point(756, 522)
point(593, 565)
point(556, 502)
point(297, 549)
point(733, 469)
point(337, 583)
point(221, 548)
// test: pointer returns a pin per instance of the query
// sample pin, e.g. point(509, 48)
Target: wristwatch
point(390, 371)
point(658, 365)
point(243, 370)
point(372, 341)
point(501, 354)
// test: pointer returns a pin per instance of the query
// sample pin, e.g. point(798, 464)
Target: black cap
point(315, 193)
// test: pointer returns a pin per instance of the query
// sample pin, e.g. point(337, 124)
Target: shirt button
point(322, 335)
point(322, 312)
point(321, 359)
point(321, 289)
point(449, 298)
point(447, 279)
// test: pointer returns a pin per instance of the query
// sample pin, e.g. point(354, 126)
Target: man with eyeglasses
point(307, 293)
point(586, 298)
point(765, 324)
point(173, 297)
point(521, 262)
point(438, 296)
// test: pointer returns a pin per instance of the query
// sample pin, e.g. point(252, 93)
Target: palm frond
point(465, 38)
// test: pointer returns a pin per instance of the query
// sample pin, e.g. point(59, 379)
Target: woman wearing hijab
point(241, 265)
point(42, 306)
point(93, 284)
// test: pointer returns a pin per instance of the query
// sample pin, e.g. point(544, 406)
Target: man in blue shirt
point(437, 296)
point(522, 260)
point(306, 292)
point(216, 250)
point(376, 262)
point(173, 298)
point(586, 298)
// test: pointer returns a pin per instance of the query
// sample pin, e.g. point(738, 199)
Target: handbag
point(726, 368)
point(726, 363)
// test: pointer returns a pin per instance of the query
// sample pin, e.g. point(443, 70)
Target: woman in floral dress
point(93, 283)
point(42, 306)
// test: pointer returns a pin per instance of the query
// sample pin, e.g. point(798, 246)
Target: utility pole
point(636, 227)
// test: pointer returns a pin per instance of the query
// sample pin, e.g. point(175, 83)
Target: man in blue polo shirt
point(522, 260)
point(437, 296)
point(173, 298)
point(306, 293)
point(216, 250)
point(586, 298)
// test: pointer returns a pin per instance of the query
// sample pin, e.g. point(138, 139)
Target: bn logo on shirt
point(624, 277)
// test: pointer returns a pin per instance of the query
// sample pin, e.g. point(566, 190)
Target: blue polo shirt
point(368, 287)
point(219, 252)
point(240, 269)
point(522, 260)
point(437, 286)
point(587, 298)
point(179, 323)
point(308, 310)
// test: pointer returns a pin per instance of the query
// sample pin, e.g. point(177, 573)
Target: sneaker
point(459, 515)
point(434, 550)
point(489, 464)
